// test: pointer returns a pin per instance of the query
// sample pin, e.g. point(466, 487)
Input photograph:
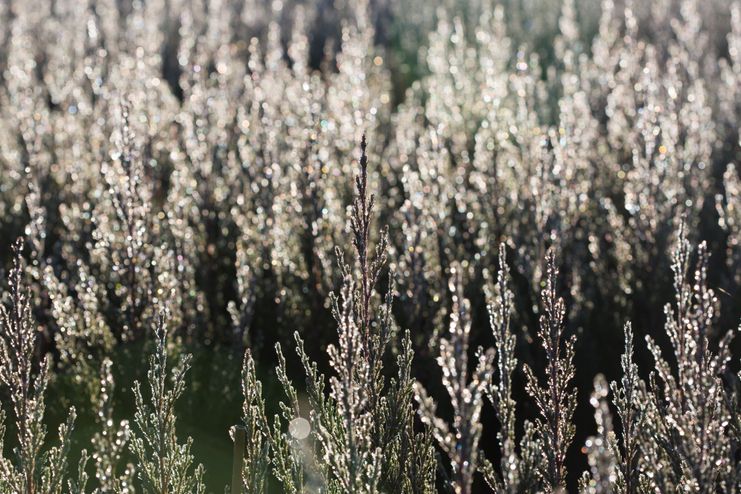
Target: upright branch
point(352, 390)
point(629, 401)
point(111, 441)
point(373, 335)
point(369, 269)
point(499, 390)
point(691, 420)
point(165, 466)
point(288, 458)
point(124, 241)
point(466, 392)
point(256, 431)
point(556, 400)
point(349, 431)
point(16, 354)
point(125, 199)
point(34, 470)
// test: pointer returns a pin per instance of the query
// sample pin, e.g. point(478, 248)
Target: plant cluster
point(179, 172)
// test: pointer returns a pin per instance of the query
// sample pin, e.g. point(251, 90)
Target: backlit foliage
point(427, 225)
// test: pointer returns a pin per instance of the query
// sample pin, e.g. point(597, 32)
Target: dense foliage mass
point(431, 227)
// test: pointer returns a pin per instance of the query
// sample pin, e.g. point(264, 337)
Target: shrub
point(34, 468)
point(192, 159)
point(164, 466)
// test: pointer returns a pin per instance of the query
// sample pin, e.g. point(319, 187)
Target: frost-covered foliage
point(208, 160)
